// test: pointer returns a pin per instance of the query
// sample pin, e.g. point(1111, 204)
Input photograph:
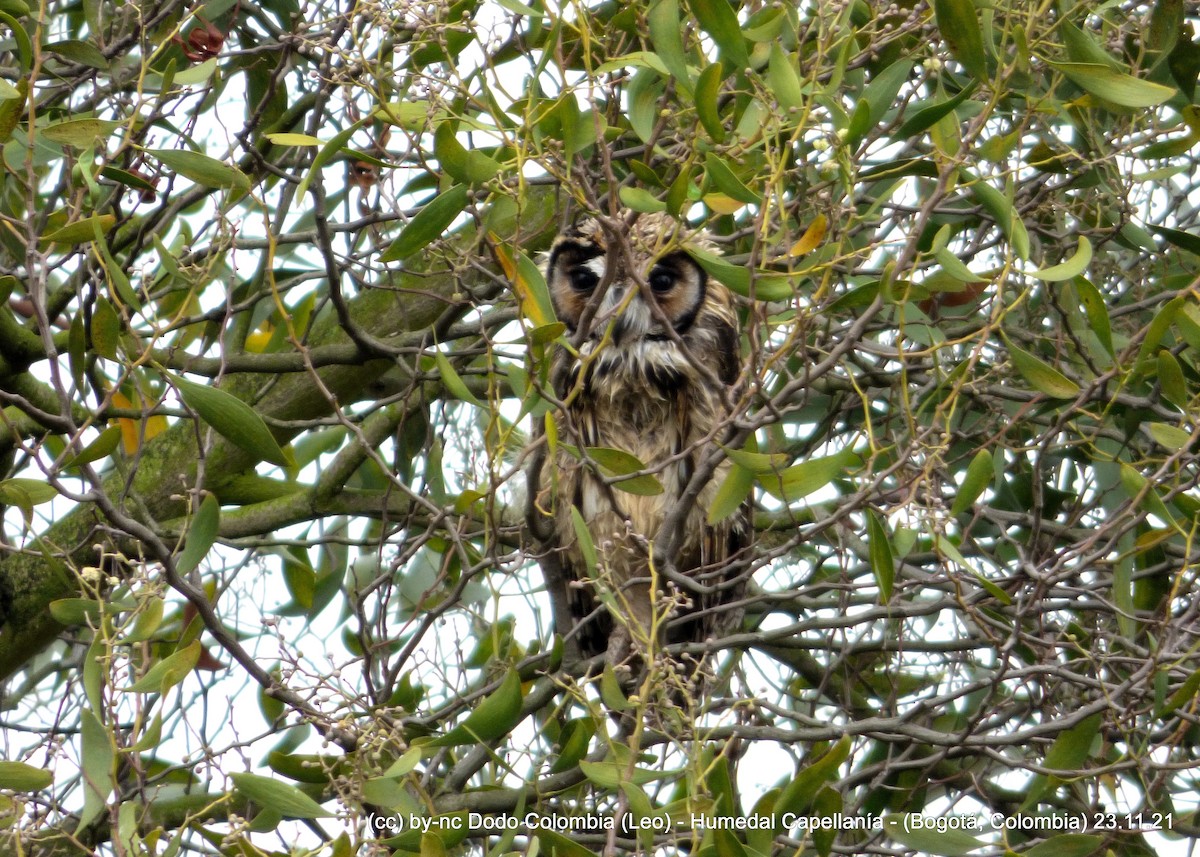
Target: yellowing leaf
point(131, 431)
point(293, 139)
point(812, 237)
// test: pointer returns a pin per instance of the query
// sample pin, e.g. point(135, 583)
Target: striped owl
point(657, 351)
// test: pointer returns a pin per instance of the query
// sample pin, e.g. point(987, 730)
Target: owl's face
point(676, 285)
point(640, 300)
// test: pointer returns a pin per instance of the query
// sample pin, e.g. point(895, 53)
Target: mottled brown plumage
point(652, 383)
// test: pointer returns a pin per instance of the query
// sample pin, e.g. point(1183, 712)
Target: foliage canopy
point(273, 338)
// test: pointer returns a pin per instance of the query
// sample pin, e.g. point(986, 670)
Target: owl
point(655, 351)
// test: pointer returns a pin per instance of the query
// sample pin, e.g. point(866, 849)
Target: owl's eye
point(662, 280)
point(583, 279)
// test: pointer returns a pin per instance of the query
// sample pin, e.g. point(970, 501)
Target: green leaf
point(927, 117)
point(201, 536)
point(285, 799)
point(80, 133)
point(1115, 86)
point(947, 843)
point(977, 478)
point(168, 672)
point(666, 34)
point(233, 419)
point(80, 231)
point(616, 463)
point(202, 169)
point(726, 180)
point(785, 82)
point(880, 94)
point(798, 795)
point(576, 738)
point(97, 768)
point(328, 152)
point(76, 611)
point(1001, 209)
point(1067, 845)
point(1185, 693)
point(615, 774)
point(1171, 380)
point(101, 447)
point(1068, 753)
point(428, 224)
point(610, 691)
point(804, 478)
point(883, 564)
point(717, 18)
point(954, 266)
point(492, 718)
point(469, 167)
point(958, 21)
point(761, 285)
point(1097, 312)
point(640, 199)
point(77, 50)
point(1069, 269)
point(1168, 436)
point(452, 381)
point(1183, 240)
point(708, 90)
point(20, 777)
point(1042, 376)
point(583, 538)
point(731, 493)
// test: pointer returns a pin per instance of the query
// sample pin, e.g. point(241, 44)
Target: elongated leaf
point(784, 80)
point(492, 718)
point(724, 178)
point(1041, 375)
point(233, 419)
point(1171, 381)
point(1069, 269)
point(21, 777)
point(977, 478)
point(958, 21)
point(470, 167)
point(1182, 695)
point(170, 671)
point(428, 224)
point(666, 34)
point(1115, 86)
point(452, 381)
point(285, 799)
point(616, 463)
point(1067, 845)
point(201, 536)
point(928, 840)
point(583, 540)
point(708, 89)
point(80, 133)
point(883, 564)
point(804, 478)
point(201, 169)
point(1068, 753)
point(80, 230)
point(799, 794)
point(998, 205)
point(731, 493)
point(927, 117)
point(717, 18)
point(739, 279)
point(1097, 312)
point(640, 199)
